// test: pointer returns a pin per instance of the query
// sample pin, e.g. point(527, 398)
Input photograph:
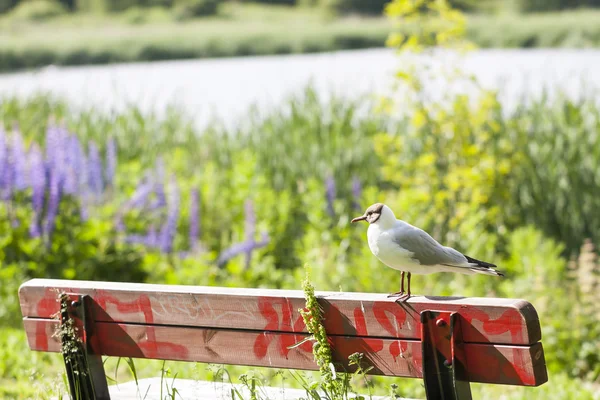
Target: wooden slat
point(487, 320)
point(486, 363)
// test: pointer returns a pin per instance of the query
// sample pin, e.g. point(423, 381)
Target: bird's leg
point(401, 292)
point(408, 292)
point(402, 284)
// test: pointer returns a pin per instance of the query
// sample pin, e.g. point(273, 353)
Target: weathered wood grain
point(486, 363)
point(486, 320)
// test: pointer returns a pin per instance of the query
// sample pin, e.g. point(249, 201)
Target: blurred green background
point(132, 196)
point(35, 33)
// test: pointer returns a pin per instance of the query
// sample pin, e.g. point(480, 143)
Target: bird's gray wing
point(425, 249)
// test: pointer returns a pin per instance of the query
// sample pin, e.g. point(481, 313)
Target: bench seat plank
point(488, 320)
point(486, 363)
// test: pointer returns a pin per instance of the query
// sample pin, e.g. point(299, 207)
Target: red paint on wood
point(382, 311)
point(193, 306)
point(273, 324)
point(486, 363)
point(505, 323)
point(360, 323)
point(45, 306)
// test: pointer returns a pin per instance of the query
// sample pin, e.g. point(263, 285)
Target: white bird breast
point(391, 254)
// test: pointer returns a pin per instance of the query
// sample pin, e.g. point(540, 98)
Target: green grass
point(576, 28)
point(236, 31)
point(251, 29)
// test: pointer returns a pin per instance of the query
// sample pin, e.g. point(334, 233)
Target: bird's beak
point(361, 218)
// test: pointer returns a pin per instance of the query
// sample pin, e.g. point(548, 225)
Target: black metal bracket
point(85, 370)
point(444, 362)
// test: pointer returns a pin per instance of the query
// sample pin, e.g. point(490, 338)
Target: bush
point(6, 5)
point(285, 2)
point(187, 9)
point(107, 5)
point(374, 7)
point(554, 5)
point(38, 10)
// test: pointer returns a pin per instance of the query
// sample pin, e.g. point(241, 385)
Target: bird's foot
point(402, 296)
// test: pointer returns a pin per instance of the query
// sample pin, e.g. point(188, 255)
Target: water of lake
point(226, 88)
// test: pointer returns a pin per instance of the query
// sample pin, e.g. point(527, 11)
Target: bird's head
point(376, 213)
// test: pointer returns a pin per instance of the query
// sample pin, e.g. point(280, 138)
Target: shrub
point(106, 5)
point(553, 5)
point(354, 6)
point(38, 10)
point(186, 9)
point(6, 5)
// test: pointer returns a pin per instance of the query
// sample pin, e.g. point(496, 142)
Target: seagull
point(409, 249)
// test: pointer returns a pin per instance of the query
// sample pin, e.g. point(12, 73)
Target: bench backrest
point(500, 338)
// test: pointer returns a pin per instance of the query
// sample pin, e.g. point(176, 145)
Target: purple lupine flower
point(140, 195)
point(356, 192)
point(7, 172)
point(169, 228)
point(53, 202)
point(241, 248)
point(330, 193)
point(160, 199)
point(71, 181)
point(4, 163)
point(194, 218)
point(19, 162)
point(137, 200)
point(2, 149)
point(37, 177)
point(95, 182)
point(55, 150)
point(136, 239)
point(78, 161)
point(234, 250)
point(111, 162)
point(250, 228)
point(159, 191)
point(148, 240)
point(265, 240)
point(152, 237)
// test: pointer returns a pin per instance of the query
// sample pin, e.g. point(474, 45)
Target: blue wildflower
point(152, 237)
point(111, 161)
point(3, 156)
point(53, 202)
point(160, 199)
point(37, 177)
point(169, 228)
point(159, 191)
point(19, 162)
point(244, 247)
point(140, 194)
point(6, 169)
point(95, 181)
point(71, 165)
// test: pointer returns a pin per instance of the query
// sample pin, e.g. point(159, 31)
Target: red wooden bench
point(448, 342)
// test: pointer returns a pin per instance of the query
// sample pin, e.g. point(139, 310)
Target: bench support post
point(443, 356)
point(85, 370)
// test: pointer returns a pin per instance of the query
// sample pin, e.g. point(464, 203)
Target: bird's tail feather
point(483, 267)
